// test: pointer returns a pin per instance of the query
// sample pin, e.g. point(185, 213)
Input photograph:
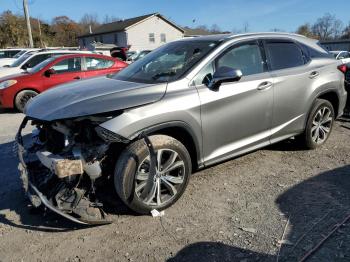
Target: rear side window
point(284, 55)
point(93, 63)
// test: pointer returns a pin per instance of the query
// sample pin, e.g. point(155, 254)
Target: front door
point(237, 117)
point(66, 70)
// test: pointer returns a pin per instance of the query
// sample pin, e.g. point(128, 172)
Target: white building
point(140, 33)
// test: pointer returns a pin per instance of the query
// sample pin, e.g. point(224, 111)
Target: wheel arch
point(333, 97)
point(182, 132)
point(21, 90)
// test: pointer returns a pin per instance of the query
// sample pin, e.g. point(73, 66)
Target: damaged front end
point(65, 164)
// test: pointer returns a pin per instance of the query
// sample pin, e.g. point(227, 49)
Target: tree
point(346, 32)
point(88, 20)
point(327, 27)
point(66, 31)
point(12, 31)
point(110, 19)
point(305, 30)
point(215, 29)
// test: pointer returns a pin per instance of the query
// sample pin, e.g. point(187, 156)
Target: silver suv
point(187, 105)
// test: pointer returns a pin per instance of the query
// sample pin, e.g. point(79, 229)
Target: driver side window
point(246, 57)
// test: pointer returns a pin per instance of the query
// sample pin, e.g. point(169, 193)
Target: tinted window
point(246, 57)
point(37, 60)
point(284, 55)
point(8, 53)
point(68, 65)
point(97, 63)
point(167, 63)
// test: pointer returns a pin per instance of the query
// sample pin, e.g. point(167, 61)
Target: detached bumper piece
point(55, 182)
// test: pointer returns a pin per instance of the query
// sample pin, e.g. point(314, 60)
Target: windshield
point(41, 65)
point(20, 60)
point(19, 54)
point(167, 63)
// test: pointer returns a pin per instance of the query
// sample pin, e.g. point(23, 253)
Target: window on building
point(163, 38)
point(116, 38)
point(151, 38)
point(101, 39)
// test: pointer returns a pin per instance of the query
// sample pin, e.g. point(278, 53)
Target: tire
point(315, 134)
point(130, 174)
point(22, 99)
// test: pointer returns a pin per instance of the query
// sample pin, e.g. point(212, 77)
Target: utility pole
point(26, 15)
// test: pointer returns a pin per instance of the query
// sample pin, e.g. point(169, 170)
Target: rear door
point(96, 66)
point(293, 77)
point(66, 70)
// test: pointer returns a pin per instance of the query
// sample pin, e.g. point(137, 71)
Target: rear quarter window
point(282, 55)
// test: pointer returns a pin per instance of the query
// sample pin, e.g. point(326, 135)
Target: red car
point(16, 90)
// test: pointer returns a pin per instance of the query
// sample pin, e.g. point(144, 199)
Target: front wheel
point(319, 124)
point(22, 99)
point(173, 170)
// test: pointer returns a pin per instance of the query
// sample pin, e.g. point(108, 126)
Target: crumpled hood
point(92, 96)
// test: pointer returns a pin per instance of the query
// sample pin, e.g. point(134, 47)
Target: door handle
point(314, 74)
point(264, 85)
point(77, 77)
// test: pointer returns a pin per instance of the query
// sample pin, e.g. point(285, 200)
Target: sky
point(260, 15)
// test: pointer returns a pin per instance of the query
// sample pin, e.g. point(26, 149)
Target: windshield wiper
point(156, 76)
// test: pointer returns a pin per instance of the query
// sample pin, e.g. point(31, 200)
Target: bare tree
point(346, 32)
point(110, 19)
point(89, 20)
point(246, 27)
point(327, 27)
point(215, 29)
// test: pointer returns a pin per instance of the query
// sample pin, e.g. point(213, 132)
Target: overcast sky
point(261, 15)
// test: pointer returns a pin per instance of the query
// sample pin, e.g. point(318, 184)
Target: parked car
point(137, 56)
point(33, 58)
point(189, 104)
point(9, 61)
point(16, 90)
point(9, 52)
point(344, 56)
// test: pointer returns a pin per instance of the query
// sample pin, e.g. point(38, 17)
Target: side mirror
point(25, 66)
point(223, 75)
point(49, 72)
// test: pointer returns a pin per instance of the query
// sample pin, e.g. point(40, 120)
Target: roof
point(197, 32)
point(226, 37)
point(122, 25)
point(338, 41)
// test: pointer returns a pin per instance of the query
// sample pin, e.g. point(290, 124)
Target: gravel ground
point(280, 200)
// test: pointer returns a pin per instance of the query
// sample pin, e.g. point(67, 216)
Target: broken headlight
point(110, 137)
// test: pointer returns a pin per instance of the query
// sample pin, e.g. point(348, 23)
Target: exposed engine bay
point(66, 163)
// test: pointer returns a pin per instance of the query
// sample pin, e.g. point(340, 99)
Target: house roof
point(197, 32)
point(123, 25)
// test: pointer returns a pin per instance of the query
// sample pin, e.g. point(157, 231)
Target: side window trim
point(305, 55)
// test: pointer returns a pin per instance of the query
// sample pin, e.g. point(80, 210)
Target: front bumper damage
point(42, 174)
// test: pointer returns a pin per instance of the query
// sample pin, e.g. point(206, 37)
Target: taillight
point(343, 68)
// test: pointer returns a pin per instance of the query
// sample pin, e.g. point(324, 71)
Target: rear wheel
point(172, 174)
point(319, 124)
point(22, 99)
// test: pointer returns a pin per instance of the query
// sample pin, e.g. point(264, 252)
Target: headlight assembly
point(7, 83)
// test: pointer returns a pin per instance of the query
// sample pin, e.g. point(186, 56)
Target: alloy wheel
point(170, 172)
point(321, 125)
